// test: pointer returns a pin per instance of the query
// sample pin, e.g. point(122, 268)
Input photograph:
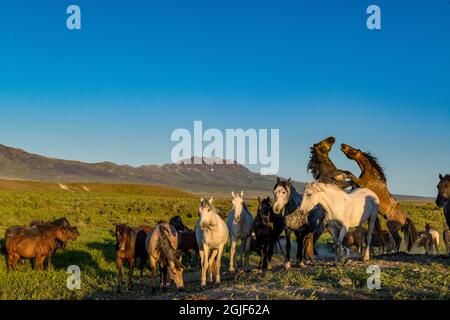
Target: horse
point(323, 169)
point(212, 235)
point(355, 238)
point(446, 237)
point(61, 222)
point(187, 242)
point(385, 244)
point(307, 229)
point(434, 244)
point(342, 211)
point(372, 177)
point(443, 195)
point(130, 244)
point(267, 227)
point(39, 245)
point(240, 227)
point(161, 245)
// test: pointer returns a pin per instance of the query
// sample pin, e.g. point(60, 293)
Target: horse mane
point(313, 164)
point(374, 162)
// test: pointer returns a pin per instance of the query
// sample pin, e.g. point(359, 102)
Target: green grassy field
point(95, 208)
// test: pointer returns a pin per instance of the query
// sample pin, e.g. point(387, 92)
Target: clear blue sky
point(140, 69)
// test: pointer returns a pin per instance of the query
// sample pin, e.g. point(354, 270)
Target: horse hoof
point(287, 265)
point(232, 270)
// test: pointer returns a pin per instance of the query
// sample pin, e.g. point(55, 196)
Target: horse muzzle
point(441, 201)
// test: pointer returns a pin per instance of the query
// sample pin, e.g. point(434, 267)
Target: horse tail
point(410, 229)
point(167, 252)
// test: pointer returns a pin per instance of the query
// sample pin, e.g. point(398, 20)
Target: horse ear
point(232, 194)
point(259, 200)
point(440, 176)
point(278, 180)
point(288, 182)
point(211, 200)
point(242, 194)
point(201, 199)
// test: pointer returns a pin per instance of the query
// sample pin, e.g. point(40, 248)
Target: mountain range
point(207, 178)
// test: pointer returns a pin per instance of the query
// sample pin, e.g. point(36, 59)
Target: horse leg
point(232, 253)
point(371, 223)
point(152, 264)
point(342, 232)
point(130, 274)
point(287, 261)
point(205, 264)
point(247, 252)
point(39, 263)
point(299, 238)
point(119, 263)
point(218, 263)
point(393, 229)
point(211, 264)
point(270, 254)
point(333, 232)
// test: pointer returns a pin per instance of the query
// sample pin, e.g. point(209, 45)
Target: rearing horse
point(323, 169)
point(307, 231)
point(372, 177)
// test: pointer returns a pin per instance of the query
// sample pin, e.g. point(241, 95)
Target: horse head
point(238, 205)
point(178, 224)
point(311, 196)
point(122, 236)
point(350, 152)
point(282, 192)
point(443, 190)
point(207, 213)
point(265, 210)
point(324, 146)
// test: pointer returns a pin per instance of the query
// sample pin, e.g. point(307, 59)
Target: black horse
point(267, 227)
point(307, 227)
point(442, 202)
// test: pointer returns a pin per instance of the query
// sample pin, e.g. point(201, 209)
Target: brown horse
point(130, 244)
point(323, 169)
point(161, 245)
point(61, 222)
point(372, 177)
point(38, 244)
point(355, 239)
point(187, 242)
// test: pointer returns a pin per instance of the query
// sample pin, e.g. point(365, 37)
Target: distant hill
point(211, 179)
point(205, 179)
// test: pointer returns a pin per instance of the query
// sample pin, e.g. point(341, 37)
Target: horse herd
point(325, 206)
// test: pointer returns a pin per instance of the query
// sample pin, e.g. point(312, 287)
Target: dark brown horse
point(38, 244)
point(267, 227)
point(323, 169)
point(444, 195)
point(130, 245)
point(372, 177)
point(187, 242)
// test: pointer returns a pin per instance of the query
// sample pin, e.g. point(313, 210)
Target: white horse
point(211, 233)
point(240, 227)
point(343, 211)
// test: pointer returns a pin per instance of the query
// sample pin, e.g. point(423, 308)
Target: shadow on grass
point(106, 247)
